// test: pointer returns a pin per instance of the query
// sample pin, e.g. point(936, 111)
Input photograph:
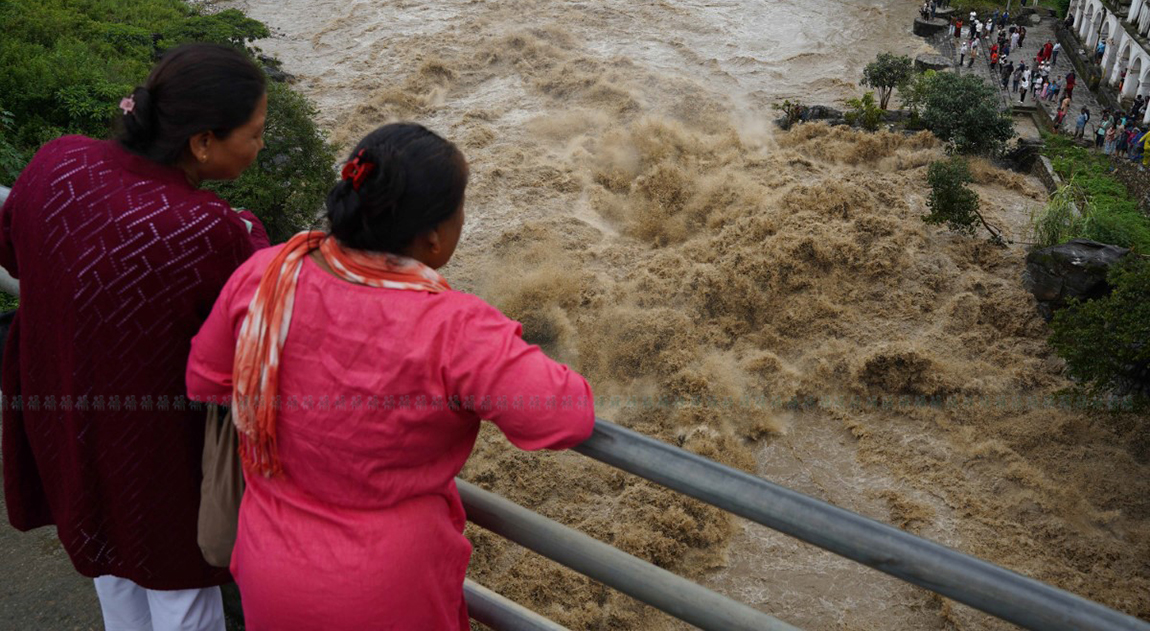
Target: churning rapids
point(632, 205)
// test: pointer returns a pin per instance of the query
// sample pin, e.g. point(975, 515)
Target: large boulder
point(821, 112)
point(929, 28)
point(932, 62)
point(1076, 269)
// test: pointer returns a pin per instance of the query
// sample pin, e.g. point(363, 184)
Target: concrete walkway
point(1036, 36)
point(40, 590)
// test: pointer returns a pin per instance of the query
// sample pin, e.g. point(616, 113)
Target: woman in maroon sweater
point(120, 257)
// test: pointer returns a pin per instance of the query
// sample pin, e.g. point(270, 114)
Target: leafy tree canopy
point(886, 73)
point(967, 112)
point(67, 64)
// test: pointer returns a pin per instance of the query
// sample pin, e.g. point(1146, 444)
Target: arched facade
point(1093, 22)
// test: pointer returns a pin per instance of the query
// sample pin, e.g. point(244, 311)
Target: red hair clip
point(357, 171)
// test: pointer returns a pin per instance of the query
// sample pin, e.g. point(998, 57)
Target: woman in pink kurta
point(381, 392)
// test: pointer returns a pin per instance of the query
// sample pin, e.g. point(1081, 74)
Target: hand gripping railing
point(997, 591)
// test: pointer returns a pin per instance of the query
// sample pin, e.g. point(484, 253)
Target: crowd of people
point(355, 376)
point(1119, 133)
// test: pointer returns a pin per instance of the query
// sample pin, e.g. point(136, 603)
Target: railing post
point(8, 284)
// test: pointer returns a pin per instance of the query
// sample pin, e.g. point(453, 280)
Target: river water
point(633, 206)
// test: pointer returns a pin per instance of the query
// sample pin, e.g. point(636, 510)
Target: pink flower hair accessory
point(127, 104)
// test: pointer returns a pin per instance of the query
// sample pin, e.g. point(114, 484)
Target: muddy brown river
point(633, 206)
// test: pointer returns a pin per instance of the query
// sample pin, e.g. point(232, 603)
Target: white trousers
point(129, 607)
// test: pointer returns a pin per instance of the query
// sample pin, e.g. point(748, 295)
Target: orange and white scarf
point(265, 329)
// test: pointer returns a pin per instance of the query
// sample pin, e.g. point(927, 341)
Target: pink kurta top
point(364, 529)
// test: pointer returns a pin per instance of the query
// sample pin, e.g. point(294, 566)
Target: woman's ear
point(200, 145)
point(432, 237)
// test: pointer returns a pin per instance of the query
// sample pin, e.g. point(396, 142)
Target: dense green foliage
point(67, 64)
point(1110, 214)
point(1061, 220)
point(1106, 341)
point(864, 112)
point(886, 73)
point(951, 200)
point(966, 112)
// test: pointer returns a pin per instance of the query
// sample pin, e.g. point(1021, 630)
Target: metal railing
point(966, 579)
point(8, 284)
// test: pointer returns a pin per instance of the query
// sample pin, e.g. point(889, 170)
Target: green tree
point(1106, 341)
point(864, 112)
point(967, 112)
point(67, 64)
point(886, 73)
point(951, 199)
point(913, 92)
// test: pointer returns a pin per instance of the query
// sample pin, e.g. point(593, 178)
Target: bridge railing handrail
point(964, 578)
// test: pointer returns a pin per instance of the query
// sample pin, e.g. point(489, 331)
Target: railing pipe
point(502, 614)
point(1000, 592)
point(635, 577)
point(8, 284)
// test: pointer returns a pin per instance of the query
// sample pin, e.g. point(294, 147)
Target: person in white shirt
point(1023, 86)
point(962, 53)
point(1054, 52)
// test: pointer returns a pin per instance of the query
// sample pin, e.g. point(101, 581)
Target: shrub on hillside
point(1109, 213)
point(1106, 341)
point(952, 201)
point(864, 112)
point(965, 111)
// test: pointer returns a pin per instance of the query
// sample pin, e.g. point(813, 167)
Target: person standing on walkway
point(120, 256)
point(1070, 78)
point(1080, 124)
point(351, 518)
point(1021, 36)
point(1007, 70)
point(1063, 109)
point(1017, 76)
point(957, 29)
point(1014, 37)
point(1111, 138)
point(1122, 141)
point(1039, 82)
point(1100, 131)
point(1023, 86)
point(962, 51)
point(994, 59)
point(1055, 50)
point(973, 52)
